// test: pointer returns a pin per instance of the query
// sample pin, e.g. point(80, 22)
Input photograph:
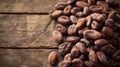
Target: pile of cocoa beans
point(87, 33)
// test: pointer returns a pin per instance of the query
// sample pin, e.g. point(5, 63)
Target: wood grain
point(28, 6)
point(24, 58)
point(25, 31)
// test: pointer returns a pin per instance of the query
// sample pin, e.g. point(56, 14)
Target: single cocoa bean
point(91, 2)
point(101, 42)
point(73, 19)
point(102, 3)
point(80, 31)
point(95, 25)
point(67, 9)
point(81, 23)
point(108, 31)
point(56, 13)
point(81, 46)
point(72, 39)
point(61, 28)
point(72, 29)
point(86, 11)
point(102, 57)
point(81, 4)
point(57, 36)
point(64, 64)
point(64, 20)
point(88, 64)
point(77, 62)
point(74, 52)
point(60, 6)
point(93, 57)
point(53, 57)
point(95, 8)
point(65, 48)
point(67, 57)
point(92, 34)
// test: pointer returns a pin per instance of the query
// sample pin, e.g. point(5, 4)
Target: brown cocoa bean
point(89, 21)
point(73, 19)
point(116, 55)
point(92, 34)
point(102, 3)
point(101, 42)
point(65, 48)
point(85, 41)
point(88, 64)
point(81, 46)
point(81, 4)
point(61, 28)
point(57, 36)
point(67, 9)
point(64, 20)
point(56, 13)
point(72, 39)
point(79, 14)
point(81, 23)
point(108, 49)
point(77, 62)
point(67, 57)
point(53, 57)
point(98, 17)
point(71, 2)
point(95, 25)
point(95, 8)
point(112, 15)
point(82, 57)
point(93, 57)
point(109, 22)
point(102, 57)
point(60, 6)
point(74, 52)
point(80, 31)
point(72, 29)
point(75, 9)
point(64, 64)
point(86, 11)
point(108, 31)
point(91, 2)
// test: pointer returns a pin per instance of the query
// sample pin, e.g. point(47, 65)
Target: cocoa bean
point(61, 28)
point(81, 47)
point(72, 29)
point(53, 57)
point(75, 52)
point(64, 64)
point(81, 23)
point(64, 20)
point(72, 39)
point(67, 9)
point(73, 19)
point(77, 62)
point(81, 4)
point(101, 42)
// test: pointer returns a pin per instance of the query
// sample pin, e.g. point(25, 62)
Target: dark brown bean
point(75, 52)
point(60, 6)
point(95, 25)
point(64, 20)
point(77, 62)
point(101, 42)
point(81, 46)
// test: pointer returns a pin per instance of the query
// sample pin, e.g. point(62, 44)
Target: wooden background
point(23, 41)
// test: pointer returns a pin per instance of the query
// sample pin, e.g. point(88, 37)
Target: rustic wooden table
point(23, 41)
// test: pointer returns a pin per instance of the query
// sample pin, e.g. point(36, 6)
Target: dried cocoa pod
point(53, 57)
point(95, 25)
point(72, 39)
point(101, 42)
point(102, 57)
point(98, 17)
point(74, 52)
point(93, 57)
point(81, 4)
point(108, 49)
point(102, 3)
point(92, 34)
point(85, 41)
point(74, 10)
point(64, 48)
point(91, 2)
point(88, 64)
point(57, 36)
point(81, 23)
point(116, 55)
point(61, 28)
point(86, 11)
point(64, 64)
point(80, 31)
point(72, 29)
point(60, 6)
point(73, 19)
point(108, 31)
point(63, 20)
point(81, 46)
point(77, 62)
point(67, 9)
point(67, 57)
point(56, 13)
point(95, 8)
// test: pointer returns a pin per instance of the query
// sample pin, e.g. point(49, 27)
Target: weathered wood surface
point(25, 31)
point(28, 6)
point(24, 58)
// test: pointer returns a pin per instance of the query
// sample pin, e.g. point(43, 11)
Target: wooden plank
point(29, 6)
point(24, 58)
point(25, 31)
